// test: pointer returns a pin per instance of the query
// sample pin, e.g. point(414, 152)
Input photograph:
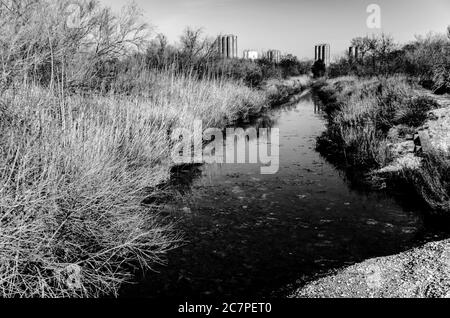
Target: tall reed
point(75, 170)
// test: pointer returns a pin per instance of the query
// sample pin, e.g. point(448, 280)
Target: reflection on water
point(251, 234)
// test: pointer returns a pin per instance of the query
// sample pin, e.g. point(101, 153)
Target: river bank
point(419, 273)
point(369, 126)
point(392, 132)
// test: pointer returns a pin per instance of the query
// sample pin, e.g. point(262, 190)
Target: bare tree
point(191, 41)
point(376, 49)
point(384, 47)
point(364, 45)
point(36, 40)
point(195, 47)
point(106, 36)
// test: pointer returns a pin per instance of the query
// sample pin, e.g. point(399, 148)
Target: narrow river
point(257, 235)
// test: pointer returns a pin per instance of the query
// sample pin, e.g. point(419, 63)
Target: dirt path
point(419, 273)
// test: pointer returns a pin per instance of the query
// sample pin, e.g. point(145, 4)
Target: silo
point(227, 46)
point(233, 48)
point(353, 52)
point(219, 45)
point(323, 52)
point(327, 57)
point(224, 46)
point(319, 52)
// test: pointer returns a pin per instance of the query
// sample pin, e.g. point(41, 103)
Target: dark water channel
point(257, 235)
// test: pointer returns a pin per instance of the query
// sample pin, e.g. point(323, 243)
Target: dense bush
point(399, 105)
point(432, 181)
point(341, 67)
point(415, 111)
point(249, 72)
point(291, 66)
point(427, 58)
point(318, 69)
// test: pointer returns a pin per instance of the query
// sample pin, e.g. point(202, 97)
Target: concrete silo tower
point(227, 46)
point(323, 52)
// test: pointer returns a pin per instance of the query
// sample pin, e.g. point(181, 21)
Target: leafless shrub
point(40, 41)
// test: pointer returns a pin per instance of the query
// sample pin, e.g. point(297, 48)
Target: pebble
point(187, 210)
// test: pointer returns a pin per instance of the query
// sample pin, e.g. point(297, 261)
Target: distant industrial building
point(227, 46)
point(323, 52)
point(274, 56)
point(353, 52)
point(251, 55)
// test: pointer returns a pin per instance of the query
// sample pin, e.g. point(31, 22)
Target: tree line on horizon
point(427, 59)
point(38, 44)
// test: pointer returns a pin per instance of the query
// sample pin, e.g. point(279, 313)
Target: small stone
point(187, 210)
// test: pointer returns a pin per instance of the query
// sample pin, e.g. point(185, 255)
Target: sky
point(293, 26)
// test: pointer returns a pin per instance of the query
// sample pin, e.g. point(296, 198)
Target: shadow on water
point(257, 235)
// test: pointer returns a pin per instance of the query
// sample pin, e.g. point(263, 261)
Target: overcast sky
point(293, 26)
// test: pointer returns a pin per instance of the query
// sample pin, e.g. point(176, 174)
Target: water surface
point(249, 234)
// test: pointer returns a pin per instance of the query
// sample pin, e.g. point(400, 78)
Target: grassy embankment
point(74, 173)
point(369, 123)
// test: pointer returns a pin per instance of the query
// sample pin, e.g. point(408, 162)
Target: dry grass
point(73, 175)
point(362, 113)
point(432, 181)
